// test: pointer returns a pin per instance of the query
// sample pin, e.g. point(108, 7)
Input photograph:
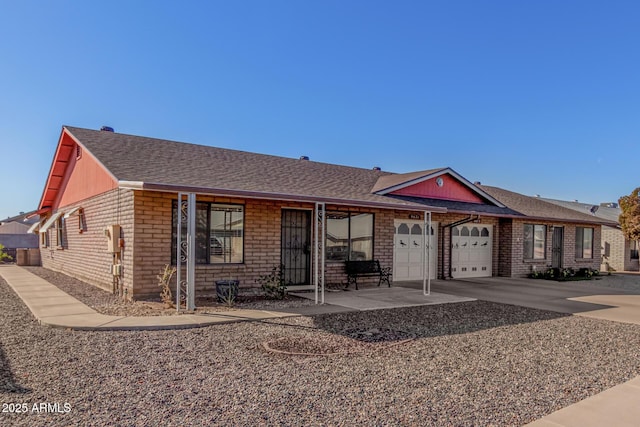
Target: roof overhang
point(56, 177)
point(34, 228)
point(56, 172)
point(136, 185)
point(72, 211)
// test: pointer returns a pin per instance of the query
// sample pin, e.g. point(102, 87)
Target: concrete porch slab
point(383, 298)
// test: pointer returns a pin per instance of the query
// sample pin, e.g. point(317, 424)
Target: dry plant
point(164, 281)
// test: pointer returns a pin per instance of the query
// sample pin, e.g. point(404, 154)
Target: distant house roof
point(605, 212)
point(24, 217)
point(14, 228)
point(536, 208)
point(155, 164)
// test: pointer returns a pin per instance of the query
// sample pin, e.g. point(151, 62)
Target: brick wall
point(84, 254)
point(521, 267)
point(505, 247)
point(148, 249)
point(617, 250)
point(262, 229)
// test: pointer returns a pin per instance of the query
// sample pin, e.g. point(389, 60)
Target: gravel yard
point(107, 303)
point(474, 363)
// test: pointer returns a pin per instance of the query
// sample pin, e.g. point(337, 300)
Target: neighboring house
point(618, 252)
point(14, 233)
point(112, 199)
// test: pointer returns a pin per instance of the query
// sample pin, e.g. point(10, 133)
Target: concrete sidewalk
point(617, 406)
point(53, 307)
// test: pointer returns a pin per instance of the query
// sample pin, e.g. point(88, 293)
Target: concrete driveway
point(584, 298)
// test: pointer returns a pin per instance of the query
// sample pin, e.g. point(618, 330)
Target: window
point(82, 221)
point(219, 233)
point(349, 236)
point(534, 242)
point(44, 229)
point(584, 242)
point(44, 239)
point(634, 250)
point(60, 232)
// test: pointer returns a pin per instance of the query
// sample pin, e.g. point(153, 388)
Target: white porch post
point(186, 251)
point(319, 255)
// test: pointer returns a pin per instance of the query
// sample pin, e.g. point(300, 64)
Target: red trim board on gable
point(443, 187)
point(74, 176)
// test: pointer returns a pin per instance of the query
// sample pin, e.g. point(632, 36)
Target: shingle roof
point(168, 163)
point(535, 208)
point(604, 212)
point(152, 163)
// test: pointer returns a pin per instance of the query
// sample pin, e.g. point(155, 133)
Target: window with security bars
point(219, 233)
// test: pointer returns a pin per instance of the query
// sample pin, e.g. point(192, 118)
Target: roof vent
point(477, 183)
point(304, 157)
point(376, 168)
point(106, 129)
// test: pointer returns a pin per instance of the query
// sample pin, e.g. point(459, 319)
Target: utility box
point(116, 269)
point(113, 236)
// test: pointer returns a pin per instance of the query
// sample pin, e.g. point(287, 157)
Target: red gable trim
point(90, 179)
point(450, 189)
point(455, 187)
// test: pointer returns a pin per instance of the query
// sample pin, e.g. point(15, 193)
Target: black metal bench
point(355, 269)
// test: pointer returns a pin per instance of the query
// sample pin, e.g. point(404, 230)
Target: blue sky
point(539, 97)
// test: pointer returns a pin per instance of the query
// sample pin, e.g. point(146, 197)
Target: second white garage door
point(471, 250)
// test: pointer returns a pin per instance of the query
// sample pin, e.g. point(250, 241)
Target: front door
point(408, 250)
point(557, 244)
point(295, 246)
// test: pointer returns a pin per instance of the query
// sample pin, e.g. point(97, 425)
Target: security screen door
point(296, 246)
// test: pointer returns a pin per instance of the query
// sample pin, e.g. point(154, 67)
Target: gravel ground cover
point(107, 303)
point(627, 282)
point(473, 363)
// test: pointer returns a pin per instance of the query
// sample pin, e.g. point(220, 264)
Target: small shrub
point(273, 284)
point(4, 257)
point(227, 292)
point(536, 275)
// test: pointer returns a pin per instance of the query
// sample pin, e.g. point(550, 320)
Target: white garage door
point(408, 250)
point(471, 250)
